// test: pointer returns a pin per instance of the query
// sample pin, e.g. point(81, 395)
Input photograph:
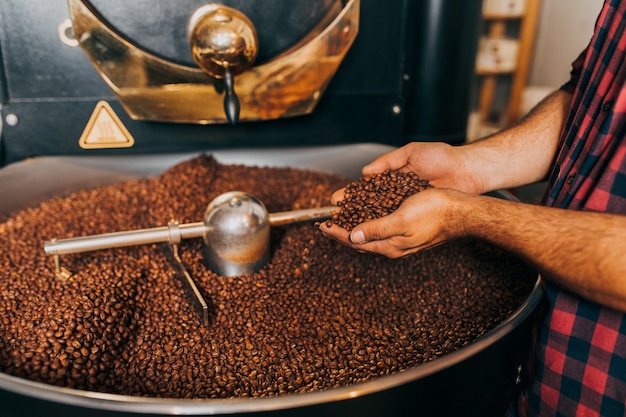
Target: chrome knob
point(223, 43)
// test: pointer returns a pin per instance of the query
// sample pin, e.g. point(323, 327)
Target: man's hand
point(443, 165)
point(424, 220)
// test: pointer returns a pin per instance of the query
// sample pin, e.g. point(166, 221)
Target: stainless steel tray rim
point(345, 160)
point(172, 406)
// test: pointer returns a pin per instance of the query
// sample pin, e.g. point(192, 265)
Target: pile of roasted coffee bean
point(376, 195)
point(318, 316)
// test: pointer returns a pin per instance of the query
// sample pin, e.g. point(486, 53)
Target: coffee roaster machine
point(95, 92)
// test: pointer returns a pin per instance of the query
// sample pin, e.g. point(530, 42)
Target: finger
point(381, 247)
point(336, 232)
point(343, 236)
point(337, 196)
point(393, 160)
point(379, 165)
point(396, 246)
point(373, 230)
point(391, 248)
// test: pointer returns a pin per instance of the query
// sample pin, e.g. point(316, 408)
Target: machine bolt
point(66, 33)
point(12, 119)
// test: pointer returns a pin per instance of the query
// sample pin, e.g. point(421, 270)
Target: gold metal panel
point(153, 89)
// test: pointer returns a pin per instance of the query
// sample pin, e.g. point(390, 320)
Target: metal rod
point(172, 233)
point(191, 289)
point(121, 239)
point(293, 216)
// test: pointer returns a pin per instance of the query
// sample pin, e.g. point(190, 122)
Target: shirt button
point(570, 178)
point(607, 105)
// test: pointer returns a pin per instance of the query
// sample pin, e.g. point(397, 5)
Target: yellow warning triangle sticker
point(105, 130)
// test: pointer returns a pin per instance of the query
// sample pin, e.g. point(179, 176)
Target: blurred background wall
point(564, 29)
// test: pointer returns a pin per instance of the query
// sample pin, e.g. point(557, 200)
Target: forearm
point(582, 251)
point(523, 153)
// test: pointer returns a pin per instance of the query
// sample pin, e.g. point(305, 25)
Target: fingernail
point(357, 237)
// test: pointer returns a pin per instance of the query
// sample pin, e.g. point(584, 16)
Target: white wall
point(564, 29)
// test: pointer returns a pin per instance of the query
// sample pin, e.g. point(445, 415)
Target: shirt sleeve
point(577, 65)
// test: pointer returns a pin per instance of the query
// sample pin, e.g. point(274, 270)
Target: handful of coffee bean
point(377, 195)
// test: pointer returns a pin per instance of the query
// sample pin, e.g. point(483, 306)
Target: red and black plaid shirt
point(581, 352)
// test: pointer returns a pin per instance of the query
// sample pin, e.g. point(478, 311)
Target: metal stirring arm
point(294, 216)
point(235, 231)
point(172, 233)
point(193, 293)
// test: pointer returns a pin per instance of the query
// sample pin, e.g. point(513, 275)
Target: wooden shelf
point(519, 27)
point(503, 16)
point(493, 73)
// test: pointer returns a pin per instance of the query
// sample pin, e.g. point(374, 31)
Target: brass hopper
point(226, 87)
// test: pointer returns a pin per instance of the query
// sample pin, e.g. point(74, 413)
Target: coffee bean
point(374, 196)
point(318, 316)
